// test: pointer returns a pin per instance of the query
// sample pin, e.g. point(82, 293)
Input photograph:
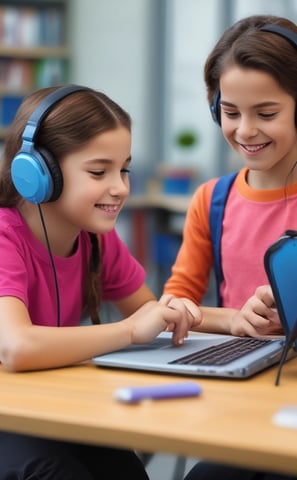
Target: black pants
point(31, 458)
point(213, 471)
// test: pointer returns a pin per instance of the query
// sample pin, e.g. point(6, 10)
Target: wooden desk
point(172, 203)
point(231, 422)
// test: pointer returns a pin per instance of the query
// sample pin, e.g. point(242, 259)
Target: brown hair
point(68, 126)
point(245, 45)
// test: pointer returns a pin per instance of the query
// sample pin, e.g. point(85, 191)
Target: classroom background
point(148, 55)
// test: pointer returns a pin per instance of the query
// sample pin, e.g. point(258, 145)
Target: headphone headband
point(36, 117)
point(291, 37)
point(282, 32)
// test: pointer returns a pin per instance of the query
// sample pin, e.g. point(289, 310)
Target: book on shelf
point(31, 26)
point(49, 72)
point(8, 21)
point(24, 26)
point(52, 25)
point(24, 75)
point(16, 74)
point(28, 27)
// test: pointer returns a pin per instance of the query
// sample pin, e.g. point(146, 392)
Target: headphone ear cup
point(34, 173)
point(55, 172)
point(215, 108)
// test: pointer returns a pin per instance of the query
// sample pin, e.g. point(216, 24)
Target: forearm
point(216, 320)
point(37, 347)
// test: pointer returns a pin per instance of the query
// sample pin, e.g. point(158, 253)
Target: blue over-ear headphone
point(215, 107)
point(34, 172)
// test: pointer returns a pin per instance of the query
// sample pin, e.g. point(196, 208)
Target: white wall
point(281, 8)
point(154, 69)
point(112, 46)
point(194, 28)
point(116, 49)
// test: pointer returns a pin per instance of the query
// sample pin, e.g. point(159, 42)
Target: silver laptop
point(223, 355)
point(201, 355)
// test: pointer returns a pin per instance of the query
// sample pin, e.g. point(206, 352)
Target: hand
point(258, 317)
point(189, 310)
point(155, 317)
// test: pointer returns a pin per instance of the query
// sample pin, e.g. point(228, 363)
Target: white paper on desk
point(286, 417)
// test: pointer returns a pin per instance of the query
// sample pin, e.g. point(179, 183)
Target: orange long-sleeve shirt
point(253, 220)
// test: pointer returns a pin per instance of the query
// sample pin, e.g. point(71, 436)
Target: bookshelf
point(34, 51)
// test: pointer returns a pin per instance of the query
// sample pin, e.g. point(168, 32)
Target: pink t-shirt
point(253, 220)
point(26, 271)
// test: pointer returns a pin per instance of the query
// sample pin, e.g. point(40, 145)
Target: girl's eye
point(236, 114)
point(231, 114)
point(125, 170)
point(97, 173)
point(267, 115)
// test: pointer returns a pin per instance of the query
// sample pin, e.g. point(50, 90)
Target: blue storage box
point(165, 248)
point(9, 107)
point(177, 185)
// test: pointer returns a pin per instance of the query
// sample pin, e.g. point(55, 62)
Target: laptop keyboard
point(223, 353)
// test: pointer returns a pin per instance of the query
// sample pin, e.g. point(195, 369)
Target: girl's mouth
point(254, 148)
point(109, 209)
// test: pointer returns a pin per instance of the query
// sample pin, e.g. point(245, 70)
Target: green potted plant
point(178, 179)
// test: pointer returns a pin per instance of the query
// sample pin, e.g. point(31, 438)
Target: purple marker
point(173, 390)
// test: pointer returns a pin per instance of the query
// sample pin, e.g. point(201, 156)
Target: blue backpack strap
point(216, 214)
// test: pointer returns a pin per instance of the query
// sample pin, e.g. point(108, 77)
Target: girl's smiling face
point(258, 121)
point(96, 182)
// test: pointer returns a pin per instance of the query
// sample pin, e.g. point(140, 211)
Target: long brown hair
point(69, 125)
point(244, 44)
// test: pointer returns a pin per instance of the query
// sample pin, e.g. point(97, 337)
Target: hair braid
point(93, 292)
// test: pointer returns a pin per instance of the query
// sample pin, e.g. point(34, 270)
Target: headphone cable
point(52, 263)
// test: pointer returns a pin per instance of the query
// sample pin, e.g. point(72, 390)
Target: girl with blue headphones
point(63, 182)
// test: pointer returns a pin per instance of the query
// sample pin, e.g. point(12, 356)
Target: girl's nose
point(120, 186)
point(246, 127)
